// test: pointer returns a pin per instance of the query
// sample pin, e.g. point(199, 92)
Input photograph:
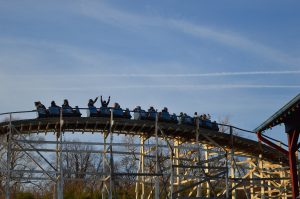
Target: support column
point(269, 186)
point(199, 192)
point(156, 191)
point(61, 177)
point(111, 158)
point(171, 170)
point(177, 162)
point(232, 165)
point(292, 143)
point(59, 161)
point(141, 179)
point(262, 182)
point(283, 183)
point(104, 165)
point(206, 155)
point(143, 167)
point(232, 175)
point(56, 191)
point(227, 176)
point(251, 177)
point(297, 163)
point(8, 159)
point(108, 174)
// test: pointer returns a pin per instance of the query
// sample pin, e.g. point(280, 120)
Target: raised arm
point(95, 100)
point(108, 100)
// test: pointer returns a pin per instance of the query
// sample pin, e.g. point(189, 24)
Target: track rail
point(144, 127)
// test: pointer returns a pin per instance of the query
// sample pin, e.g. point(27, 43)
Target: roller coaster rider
point(53, 104)
point(67, 109)
point(151, 113)
point(104, 110)
point(138, 113)
point(92, 102)
point(38, 105)
point(127, 113)
point(41, 109)
point(104, 103)
point(66, 105)
point(92, 109)
point(54, 110)
point(164, 115)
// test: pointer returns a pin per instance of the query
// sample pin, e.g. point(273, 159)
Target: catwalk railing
point(142, 158)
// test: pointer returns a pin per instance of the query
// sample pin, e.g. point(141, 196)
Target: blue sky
point(229, 58)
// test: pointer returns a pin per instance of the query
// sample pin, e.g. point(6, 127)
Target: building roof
point(281, 116)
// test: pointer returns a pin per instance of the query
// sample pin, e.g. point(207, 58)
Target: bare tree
point(20, 161)
point(76, 161)
point(80, 169)
point(128, 164)
point(223, 124)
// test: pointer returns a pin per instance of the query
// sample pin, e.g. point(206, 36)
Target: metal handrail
point(8, 113)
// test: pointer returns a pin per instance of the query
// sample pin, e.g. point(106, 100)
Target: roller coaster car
point(54, 111)
point(174, 119)
point(118, 113)
point(69, 112)
point(127, 114)
point(215, 126)
point(92, 112)
point(104, 112)
point(208, 124)
point(185, 119)
point(151, 115)
point(140, 115)
point(42, 113)
point(164, 116)
point(188, 120)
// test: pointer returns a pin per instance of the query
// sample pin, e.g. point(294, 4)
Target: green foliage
point(24, 195)
point(80, 195)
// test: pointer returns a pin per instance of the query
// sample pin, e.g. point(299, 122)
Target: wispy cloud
point(34, 55)
point(130, 21)
point(107, 14)
point(233, 39)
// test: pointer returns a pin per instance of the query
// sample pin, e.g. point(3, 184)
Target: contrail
point(216, 74)
point(163, 75)
point(179, 87)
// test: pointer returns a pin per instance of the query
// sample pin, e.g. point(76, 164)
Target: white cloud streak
point(130, 21)
point(235, 40)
